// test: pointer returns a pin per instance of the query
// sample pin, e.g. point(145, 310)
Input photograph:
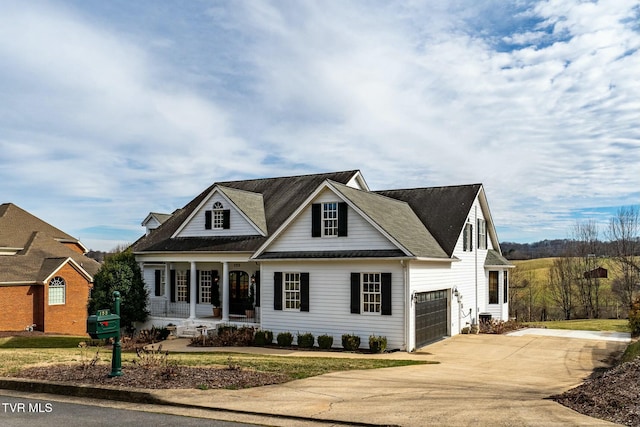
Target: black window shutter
point(277, 290)
point(158, 290)
point(257, 299)
point(188, 285)
point(355, 293)
point(386, 294)
point(226, 219)
point(304, 291)
point(173, 286)
point(207, 220)
point(465, 239)
point(342, 219)
point(316, 220)
point(470, 237)
point(198, 286)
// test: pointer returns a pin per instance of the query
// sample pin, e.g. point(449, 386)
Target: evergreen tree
point(120, 272)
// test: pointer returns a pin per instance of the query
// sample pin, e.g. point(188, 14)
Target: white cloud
point(537, 100)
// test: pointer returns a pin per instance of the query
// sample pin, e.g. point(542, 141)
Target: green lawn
point(17, 353)
point(41, 342)
point(615, 325)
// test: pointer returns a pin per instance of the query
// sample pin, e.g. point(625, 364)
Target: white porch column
point(225, 291)
point(167, 280)
point(192, 292)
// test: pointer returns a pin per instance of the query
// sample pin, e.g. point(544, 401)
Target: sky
point(111, 110)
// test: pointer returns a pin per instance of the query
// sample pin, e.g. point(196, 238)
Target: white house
point(326, 255)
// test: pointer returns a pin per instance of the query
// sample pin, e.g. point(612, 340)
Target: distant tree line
point(548, 249)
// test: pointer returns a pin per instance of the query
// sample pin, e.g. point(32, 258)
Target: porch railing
point(164, 308)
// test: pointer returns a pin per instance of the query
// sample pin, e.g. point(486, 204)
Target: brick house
point(45, 277)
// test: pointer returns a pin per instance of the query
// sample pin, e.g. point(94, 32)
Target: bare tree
point(624, 236)
point(561, 284)
point(585, 247)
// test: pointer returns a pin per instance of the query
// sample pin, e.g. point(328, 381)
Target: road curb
point(135, 396)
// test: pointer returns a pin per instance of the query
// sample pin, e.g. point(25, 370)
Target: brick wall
point(21, 307)
point(71, 317)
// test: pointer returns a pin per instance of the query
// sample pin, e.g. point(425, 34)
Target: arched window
point(218, 215)
point(57, 291)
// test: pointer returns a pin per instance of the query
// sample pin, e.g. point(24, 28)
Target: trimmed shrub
point(284, 339)
point(350, 342)
point(325, 341)
point(377, 344)
point(306, 340)
point(262, 338)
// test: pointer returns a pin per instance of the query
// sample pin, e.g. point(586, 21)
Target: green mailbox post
point(103, 325)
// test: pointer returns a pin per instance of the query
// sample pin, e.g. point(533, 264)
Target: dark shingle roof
point(281, 197)
point(443, 210)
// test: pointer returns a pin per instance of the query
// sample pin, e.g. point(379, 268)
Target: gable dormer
point(226, 212)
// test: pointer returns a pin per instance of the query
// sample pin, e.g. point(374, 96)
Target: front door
point(239, 290)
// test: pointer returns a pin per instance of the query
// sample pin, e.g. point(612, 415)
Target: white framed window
point(493, 287)
point(482, 234)
point(206, 280)
point(371, 293)
point(218, 215)
point(330, 219)
point(468, 237)
point(182, 286)
point(291, 292)
point(57, 291)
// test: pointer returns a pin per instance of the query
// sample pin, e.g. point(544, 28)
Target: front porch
point(186, 292)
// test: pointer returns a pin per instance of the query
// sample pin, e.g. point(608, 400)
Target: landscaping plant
point(325, 341)
point(350, 342)
point(262, 338)
point(285, 339)
point(377, 344)
point(306, 340)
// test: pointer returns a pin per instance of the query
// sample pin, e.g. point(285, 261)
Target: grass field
point(15, 354)
point(615, 325)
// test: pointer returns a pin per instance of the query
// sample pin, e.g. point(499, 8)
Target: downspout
point(475, 250)
point(407, 311)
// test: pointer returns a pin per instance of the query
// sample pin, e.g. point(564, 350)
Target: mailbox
point(103, 324)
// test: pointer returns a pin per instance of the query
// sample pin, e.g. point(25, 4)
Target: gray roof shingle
point(41, 251)
point(281, 196)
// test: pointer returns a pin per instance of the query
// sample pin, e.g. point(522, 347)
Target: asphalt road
point(19, 411)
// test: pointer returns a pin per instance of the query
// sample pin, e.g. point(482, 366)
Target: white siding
point(329, 302)
point(470, 270)
point(361, 234)
point(239, 226)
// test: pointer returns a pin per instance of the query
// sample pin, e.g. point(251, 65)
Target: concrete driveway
point(480, 380)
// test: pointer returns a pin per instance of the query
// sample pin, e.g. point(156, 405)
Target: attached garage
point(432, 317)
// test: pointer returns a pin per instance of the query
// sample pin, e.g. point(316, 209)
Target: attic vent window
point(218, 218)
point(218, 215)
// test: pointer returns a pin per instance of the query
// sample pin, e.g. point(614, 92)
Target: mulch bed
point(165, 377)
point(613, 396)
